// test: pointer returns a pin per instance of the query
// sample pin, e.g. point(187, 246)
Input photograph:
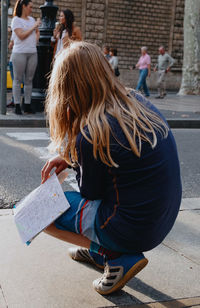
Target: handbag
point(117, 73)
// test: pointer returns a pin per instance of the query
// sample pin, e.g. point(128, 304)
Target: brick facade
point(133, 24)
point(177, 40)
point(128, 25)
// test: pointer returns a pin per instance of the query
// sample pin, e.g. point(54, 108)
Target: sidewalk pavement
point(180, 112)
point(42, 275)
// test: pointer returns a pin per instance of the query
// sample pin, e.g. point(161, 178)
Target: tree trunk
point(191, 60)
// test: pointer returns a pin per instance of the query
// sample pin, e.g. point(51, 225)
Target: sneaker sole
point(88, 261)
point(134, 270)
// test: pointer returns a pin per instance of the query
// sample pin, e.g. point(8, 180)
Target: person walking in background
point(165, 62)
point(67, 32)
point(114, 61)
point(126, 162)
point(106, 51)
point(24, 54)
point(144, 65)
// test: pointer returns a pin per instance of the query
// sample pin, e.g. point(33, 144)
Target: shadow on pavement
point(119, 298)
point(140, 286)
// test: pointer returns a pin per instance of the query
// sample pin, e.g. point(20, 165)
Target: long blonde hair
point(82, 91)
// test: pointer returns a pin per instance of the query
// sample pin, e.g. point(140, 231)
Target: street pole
point(45, 53)
point(4, 43)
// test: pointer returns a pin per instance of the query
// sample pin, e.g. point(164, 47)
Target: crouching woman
point(126, 164)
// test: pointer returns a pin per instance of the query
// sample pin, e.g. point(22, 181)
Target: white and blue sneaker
point(85, 255)
point(118, 272)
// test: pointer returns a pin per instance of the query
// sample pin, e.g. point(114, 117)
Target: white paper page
point(40, 208)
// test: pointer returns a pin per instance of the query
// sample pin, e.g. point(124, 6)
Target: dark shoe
point(18, 109)
point(28, 108)
point(158, 96)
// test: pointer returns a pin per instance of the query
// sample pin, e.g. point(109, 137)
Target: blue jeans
point(142, 81)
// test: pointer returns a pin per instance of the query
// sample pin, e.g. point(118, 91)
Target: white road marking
point(43, 153)
point(29, 136)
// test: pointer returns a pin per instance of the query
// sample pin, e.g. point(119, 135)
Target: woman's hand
point(55, 33)
point(56, 162)
point(37, 23)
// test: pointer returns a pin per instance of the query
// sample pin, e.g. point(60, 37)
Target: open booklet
point(39, 209)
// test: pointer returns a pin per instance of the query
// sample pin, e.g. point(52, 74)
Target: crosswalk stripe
point(25, 136)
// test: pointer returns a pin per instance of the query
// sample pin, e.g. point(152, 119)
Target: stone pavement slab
point(177, 103)
point(42, 275)
point(180, 303)
point(2, 299)
point(190, 204)
point(185, 238)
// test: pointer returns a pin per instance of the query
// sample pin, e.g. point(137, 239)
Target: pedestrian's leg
point(146, 90)
point(28, 78)
point(19, 65)
point(139, 84)
point(162, 81)
point(159, 84)
point(164, 84)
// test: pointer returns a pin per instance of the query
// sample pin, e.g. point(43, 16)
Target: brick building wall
point(177, 32)
point(94, 21)
point(133, 24)
point(128, 25)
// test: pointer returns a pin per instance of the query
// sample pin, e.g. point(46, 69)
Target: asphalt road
point(23, 153)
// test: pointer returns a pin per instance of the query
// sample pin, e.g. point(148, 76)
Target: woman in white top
point(24, 53)
point(114, 60)
point(68, 31)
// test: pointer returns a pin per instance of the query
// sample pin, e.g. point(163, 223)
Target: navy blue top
point(140, 198)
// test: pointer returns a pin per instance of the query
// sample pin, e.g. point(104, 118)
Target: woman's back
point(139, 197)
